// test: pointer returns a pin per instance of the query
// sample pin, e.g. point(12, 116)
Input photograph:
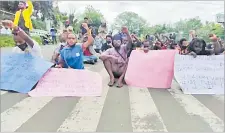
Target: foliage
point(133, 21)
point(45, 7)
point(7, 41)
point(95, 17)
point(38, 24)
point(37, 39)
point(9, 6)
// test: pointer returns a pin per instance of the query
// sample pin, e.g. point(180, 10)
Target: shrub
point(7, 40)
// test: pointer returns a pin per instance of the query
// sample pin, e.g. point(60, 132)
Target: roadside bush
point(7, 40)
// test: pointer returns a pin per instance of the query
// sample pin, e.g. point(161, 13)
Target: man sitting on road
point(24, 43)
point(108, 43)
point(115, 59)
point(89, 52)
point(62, 38)
point(71, 56)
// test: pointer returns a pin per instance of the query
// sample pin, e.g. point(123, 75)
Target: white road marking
point(194, 107)
point(86, 115)
point(14, 117)
point(219, 97)
point(142, 109)
point(3, 92)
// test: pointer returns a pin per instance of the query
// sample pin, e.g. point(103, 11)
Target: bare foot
point(119, 84)
point(111, 82)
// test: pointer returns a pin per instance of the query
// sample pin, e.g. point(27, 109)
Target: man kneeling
point(115, 59)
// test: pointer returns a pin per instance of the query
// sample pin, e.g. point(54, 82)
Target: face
point(20, 42)
point(86, 20)
point(198, 47)
point(64, 36)
point(108, 39)
point(21, 5)
point(146, 44)
point(85, 39)
point(103, 24)
point(117, 43)
point(125, 40)
point(71, 39)
point(184, 43)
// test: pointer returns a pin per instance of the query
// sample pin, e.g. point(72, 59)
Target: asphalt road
point(124, 109)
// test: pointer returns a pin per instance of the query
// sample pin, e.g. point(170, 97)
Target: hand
point(58, 66)
point(125, 30)
point(193, 54)
point(213, 37)
point(85, 25)
point(8, 24)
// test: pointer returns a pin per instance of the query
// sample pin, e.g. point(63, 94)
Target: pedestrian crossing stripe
point(129, 109)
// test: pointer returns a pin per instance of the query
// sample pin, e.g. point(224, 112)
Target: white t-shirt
point(5, 31)
point(35, 51)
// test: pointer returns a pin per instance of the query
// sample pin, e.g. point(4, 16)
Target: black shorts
point(116, 75)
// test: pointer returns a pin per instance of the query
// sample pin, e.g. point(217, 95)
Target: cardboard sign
point(201, 75)
point(68, 82)
point(20, 72)
point(153, 69)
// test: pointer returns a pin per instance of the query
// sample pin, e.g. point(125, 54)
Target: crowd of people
point(114, 51)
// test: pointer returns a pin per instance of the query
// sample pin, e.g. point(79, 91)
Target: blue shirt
point(72, 57)
point(53, 32)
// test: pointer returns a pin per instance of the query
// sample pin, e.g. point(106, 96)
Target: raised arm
point(125, 31)
point(19, 32)
point(90, 38)
point(216, 44)
point(30, 7)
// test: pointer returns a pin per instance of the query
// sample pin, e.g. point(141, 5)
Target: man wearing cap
point(23, 16)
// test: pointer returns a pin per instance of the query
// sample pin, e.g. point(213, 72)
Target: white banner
point(201, 75)
point(220, 18)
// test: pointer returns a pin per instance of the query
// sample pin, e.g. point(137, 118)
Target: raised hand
point(8, 24)
point(125, 30)
point(213, 37)
point(85, 25)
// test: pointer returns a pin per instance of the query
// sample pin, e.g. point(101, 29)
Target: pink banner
point(151, 70)
point(68, 82)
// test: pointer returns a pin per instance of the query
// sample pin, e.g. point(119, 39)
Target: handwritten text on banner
point(201, 75)
point(68, 82)
point(20, 72)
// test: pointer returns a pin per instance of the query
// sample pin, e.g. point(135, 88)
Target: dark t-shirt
point(133, 47)
point(105, 47)
point(83, 30)
point(21, 23)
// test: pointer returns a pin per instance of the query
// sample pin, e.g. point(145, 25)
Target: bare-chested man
point(115, 59)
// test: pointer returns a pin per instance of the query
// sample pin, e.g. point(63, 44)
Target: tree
point(210, 28)
point(95, 17)
point(133, 21)
point(45, 7)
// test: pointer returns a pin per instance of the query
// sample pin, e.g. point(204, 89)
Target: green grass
point(7, 41)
